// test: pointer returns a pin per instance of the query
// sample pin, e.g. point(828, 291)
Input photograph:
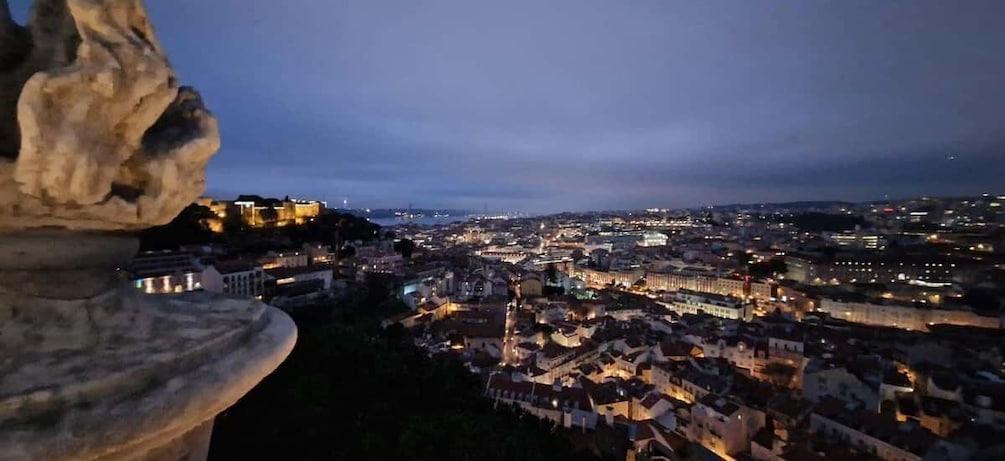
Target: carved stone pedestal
point(98, 139)
point(90, 368)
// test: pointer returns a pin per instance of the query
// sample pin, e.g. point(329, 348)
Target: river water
point(423, 221)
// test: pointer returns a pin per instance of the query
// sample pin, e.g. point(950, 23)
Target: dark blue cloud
point(575, 104)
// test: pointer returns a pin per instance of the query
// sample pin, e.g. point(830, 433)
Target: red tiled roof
point(651, 400)
point(675, 349)
point(673, 440)
point(539, 394)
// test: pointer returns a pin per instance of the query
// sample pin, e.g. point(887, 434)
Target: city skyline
point(662, 230)
point(337, 205)
point(591, 105)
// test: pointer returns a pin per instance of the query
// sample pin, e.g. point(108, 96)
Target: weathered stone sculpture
point(102, 136)
point(97, 139)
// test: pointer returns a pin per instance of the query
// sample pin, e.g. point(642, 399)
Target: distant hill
point(792, 205)
point(382, 213)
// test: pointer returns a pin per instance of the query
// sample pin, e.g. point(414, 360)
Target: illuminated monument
point(98, 140)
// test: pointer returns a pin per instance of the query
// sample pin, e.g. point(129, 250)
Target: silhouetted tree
point(982, 299)
point(406, 247)
point(233, 222)
point(768, 268)
point(189, 227)
point(551, 273)
point(322, 229)
point(550, 290)
point(347, 251)
point(342, 395)
point(779, 373)
point(341, 223)
point(269, 215)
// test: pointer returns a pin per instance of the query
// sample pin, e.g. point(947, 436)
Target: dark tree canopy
point(551, 290)
point(347, 251)
point(189, 227)
point(768, 268)
point(322, 229)
point(780, 374)
point(351, 391)
point(406, 247)
point(269, 215)
point(551, 273)
point(983, 299)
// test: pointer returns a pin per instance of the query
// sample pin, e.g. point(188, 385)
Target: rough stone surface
point(91, 368)
point(187, 358)
point(97, 139)
point(95, 131)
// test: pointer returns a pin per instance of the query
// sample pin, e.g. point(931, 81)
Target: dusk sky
point(570, 105)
